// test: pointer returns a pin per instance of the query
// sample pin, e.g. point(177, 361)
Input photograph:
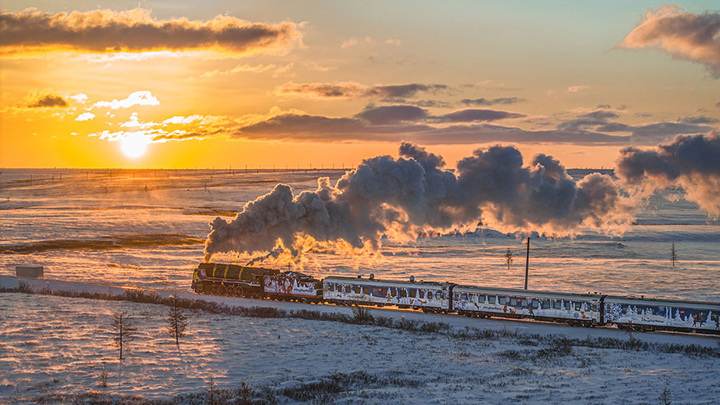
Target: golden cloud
point(137, 30)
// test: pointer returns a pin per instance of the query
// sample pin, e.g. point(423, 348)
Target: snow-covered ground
point(53, 346)
point(146, 228)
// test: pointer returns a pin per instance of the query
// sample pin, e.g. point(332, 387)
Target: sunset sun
point(134, 145)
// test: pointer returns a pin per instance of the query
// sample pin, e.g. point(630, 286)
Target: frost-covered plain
point(146, 228)
point(53, 347)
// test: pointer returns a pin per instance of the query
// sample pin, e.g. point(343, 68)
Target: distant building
point(29, 271)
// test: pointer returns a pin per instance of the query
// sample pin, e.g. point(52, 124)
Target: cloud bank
point(354, 90)
point(491, 102)
point(683, 35)
point(137, 30)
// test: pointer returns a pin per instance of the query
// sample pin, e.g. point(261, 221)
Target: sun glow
point(134, 145)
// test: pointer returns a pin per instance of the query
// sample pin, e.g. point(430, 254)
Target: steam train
point(589, 310)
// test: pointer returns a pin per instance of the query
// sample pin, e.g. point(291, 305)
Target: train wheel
point(231, 290)
point(216, 289)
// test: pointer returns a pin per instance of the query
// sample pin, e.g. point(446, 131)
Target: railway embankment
point(456, 325)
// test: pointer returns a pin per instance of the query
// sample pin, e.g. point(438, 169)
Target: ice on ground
point(53, 345)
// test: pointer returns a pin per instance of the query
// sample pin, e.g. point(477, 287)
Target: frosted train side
point(427, 296)
point(649, 314)
point(588, 310)
point(574, 309)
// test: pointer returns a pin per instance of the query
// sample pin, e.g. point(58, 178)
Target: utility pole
point(527, 262)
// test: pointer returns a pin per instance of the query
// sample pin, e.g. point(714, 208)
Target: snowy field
point(52, 350)
point(146, 228)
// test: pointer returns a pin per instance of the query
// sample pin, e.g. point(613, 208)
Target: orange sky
point(263, 84)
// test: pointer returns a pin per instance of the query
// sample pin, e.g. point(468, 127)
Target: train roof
point(383, 282)
point(522, 292)
point(619, 299)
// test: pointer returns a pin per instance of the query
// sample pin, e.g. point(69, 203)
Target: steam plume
point(401, 197)
point(688, 161)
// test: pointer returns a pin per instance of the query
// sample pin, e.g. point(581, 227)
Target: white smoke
point(688, 161)
point(401, 198)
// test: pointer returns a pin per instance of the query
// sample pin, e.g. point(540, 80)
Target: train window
point(438, 295)
point(464, 296)
point(403, 293)
point(546, 304)
point(639, 310)
point(523, 302)
point(330, 287)
point(422, 294)
point(557, 304)
point(536, 304)
point(491, 299)
point(366, 290)
point(578, 306)
point(383, 292)
point(702, 316)
point(412, 293)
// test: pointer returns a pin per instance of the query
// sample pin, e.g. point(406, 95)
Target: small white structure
point(29, 271)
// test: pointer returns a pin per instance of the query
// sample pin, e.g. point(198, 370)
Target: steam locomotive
point(589, 310)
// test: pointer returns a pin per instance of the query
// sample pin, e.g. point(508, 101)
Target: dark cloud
point(486, 133)
point(662, 131)
point(419, 103)
point(698, 120)
point(647, 134)
point(392, 114)
point(601, 114)
point(581, 124)
point(320, 128)
point(48, 100)
point(400, 197)
point(356, 90)
point(495, 101)
point(689, 161)
point(684, 35)
point(404, 90)
point(614, 127)
point(471, 115)
point(406, 122)
point(137, 30)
